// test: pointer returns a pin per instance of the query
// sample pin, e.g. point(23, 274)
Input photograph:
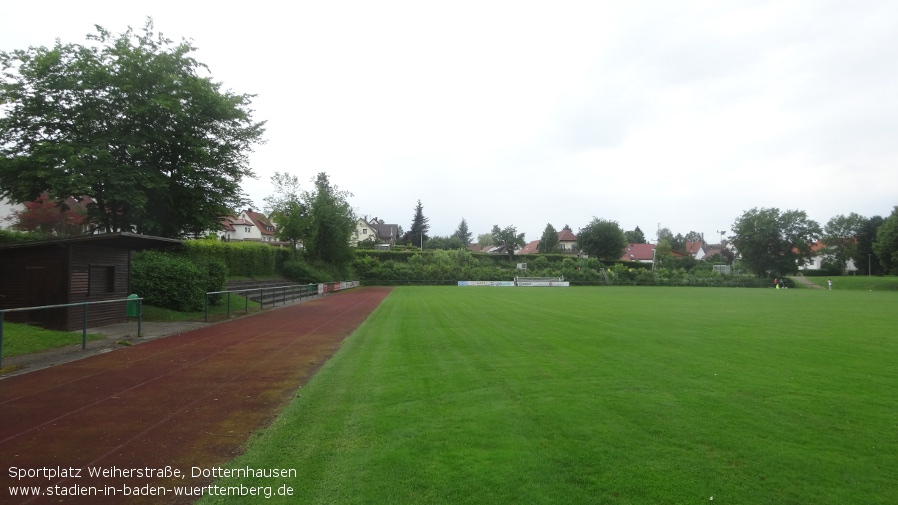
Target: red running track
point(189, 400)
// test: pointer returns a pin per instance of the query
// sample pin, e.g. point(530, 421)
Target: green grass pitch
point(612, 395)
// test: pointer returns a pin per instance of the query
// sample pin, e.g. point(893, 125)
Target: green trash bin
point(132, 306)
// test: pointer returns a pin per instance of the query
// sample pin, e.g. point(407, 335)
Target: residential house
point(264, 225)
point(530, 248)
point(644, 253)
point(249, 226)
point(697, 250)
point(386, 233)
point(495, 249)
point(363, 231)
point(567, 241)
point(234, 228)
point(817, 258)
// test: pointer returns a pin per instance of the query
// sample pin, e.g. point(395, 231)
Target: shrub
point(215, 272)
point(17, 237)
point(168, 281)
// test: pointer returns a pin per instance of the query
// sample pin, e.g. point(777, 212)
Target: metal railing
point(84, 306)
point(290, 292)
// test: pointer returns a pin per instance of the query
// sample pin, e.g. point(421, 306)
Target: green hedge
point(448, 267)
point(17, 237)
point(169, 281)
point(243, 259)
point(299, 270)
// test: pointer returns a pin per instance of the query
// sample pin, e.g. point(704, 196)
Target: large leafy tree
point(774, 242)
point(47, 217)
point(886, 245)
point(677, 242)
point(128, 121)
point(330, 223)
point(549, 241)
point(602, 239)
point(635, 236)
point(866, 259)
point(447, 243)
point(507, 237)
point(840, 239)
point(286, 208)
point(694, 236)
point(663, 252)
point(462, 233)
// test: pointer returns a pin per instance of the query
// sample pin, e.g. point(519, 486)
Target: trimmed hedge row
point(247, 259)
point(179, 278)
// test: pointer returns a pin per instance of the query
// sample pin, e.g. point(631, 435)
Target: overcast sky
point(678, 114)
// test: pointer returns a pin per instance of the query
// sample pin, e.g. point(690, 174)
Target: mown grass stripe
point(601, 395)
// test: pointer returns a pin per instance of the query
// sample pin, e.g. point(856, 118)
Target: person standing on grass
point(830, 284)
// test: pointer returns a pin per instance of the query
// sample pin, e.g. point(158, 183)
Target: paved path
point(189, 400)
point(804, 281)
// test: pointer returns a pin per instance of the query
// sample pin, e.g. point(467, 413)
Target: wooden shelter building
point(71, 270)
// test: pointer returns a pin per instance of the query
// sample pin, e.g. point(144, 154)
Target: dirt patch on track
point(180, 402)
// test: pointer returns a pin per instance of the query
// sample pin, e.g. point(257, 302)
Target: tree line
point(769, 242)
point(128, 132)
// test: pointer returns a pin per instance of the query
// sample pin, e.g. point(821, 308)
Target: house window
point(364, 231)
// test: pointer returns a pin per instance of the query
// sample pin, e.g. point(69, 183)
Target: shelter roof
point(120, 240)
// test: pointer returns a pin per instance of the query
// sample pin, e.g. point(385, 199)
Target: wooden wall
point(33, 277)
point(98, 273)
point(58, 274)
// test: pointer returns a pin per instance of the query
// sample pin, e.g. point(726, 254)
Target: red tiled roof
point(261, 222)
point(530, 248)
point(228, 223)
point(638, 252)
point(566, 236)
point(643, 252)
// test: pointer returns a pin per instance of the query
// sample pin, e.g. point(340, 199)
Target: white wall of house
point(363, 231)
point(247, 231)
point(817, 263)
point(567, 246)
point(6, 209)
